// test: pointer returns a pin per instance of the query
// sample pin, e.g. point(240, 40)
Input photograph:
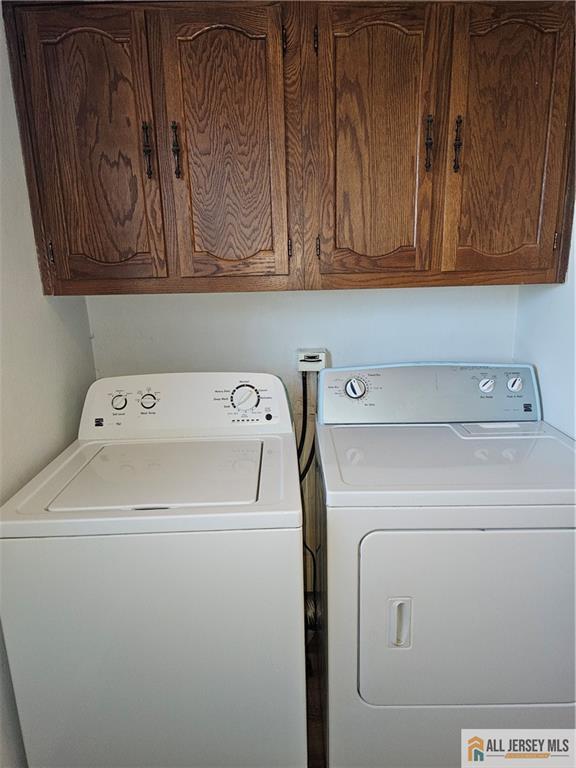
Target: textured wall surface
point(545, 335)
point(261, 331)
point(47, 361)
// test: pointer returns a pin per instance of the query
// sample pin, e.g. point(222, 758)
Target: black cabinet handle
point(429, 143)
point(147, 149)
point(457, 144)
point(176, 149)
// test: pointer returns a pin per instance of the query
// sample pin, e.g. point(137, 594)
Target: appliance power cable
point(304, 426)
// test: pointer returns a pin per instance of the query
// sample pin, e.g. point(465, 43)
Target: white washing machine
point(152, 588)
point(449, 540)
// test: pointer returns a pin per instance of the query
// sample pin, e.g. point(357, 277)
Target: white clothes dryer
point(152, 587)
point(449, 545)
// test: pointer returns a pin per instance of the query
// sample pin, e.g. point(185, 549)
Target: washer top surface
point(144, 476)
point(166, 453)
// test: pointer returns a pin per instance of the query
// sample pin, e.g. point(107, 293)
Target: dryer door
point(467, 617)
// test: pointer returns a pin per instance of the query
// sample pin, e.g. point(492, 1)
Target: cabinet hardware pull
point(176, 149)
point(284, 41)
point(51, 252)
point(147, 149)
point(429, 143)
point(315, 40)
point(457, 144)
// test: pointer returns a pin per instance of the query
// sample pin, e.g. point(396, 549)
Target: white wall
point(262, 331)
point(545, 335)
point(46, 356)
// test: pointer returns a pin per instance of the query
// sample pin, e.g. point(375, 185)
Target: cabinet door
point(90, 107)
point(378, 74)
point(509, 111)
point(221, 104)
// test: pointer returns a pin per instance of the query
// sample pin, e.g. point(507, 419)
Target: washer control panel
point(429, 393)
point(185, 404)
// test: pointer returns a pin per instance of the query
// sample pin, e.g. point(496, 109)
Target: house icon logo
point(475, 749)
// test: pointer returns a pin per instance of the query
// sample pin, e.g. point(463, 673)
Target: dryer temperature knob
point(355, 388)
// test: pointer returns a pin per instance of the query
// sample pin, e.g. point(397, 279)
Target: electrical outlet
point(312, 359)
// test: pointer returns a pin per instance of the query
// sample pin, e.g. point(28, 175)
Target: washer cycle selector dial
point(245, 397)
point(355, 388)
point(487, 385)
point(515, 384)
point(119, 402)
point(148, 401)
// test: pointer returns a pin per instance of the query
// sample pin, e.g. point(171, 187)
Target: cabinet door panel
point(223, 85)
point(377, 74)
point(90, 94)
point(511, 80)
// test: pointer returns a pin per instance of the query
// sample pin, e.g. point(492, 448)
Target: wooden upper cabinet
point(380, 70)
point(508, 117)
point(211, 146)
point(93, 139)
point(220, 96)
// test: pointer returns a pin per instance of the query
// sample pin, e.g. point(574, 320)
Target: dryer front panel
point(466, 617)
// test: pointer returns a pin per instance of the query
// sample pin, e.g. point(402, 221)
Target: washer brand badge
point(534, 747)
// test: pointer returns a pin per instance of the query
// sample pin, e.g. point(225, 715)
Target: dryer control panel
point(185, 405)
point(428, 393)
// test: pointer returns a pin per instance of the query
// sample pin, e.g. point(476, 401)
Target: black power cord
point(308, 464)
point(302, 439)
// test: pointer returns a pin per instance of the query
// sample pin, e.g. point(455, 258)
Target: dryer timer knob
point(355, 388)
point(515, 384)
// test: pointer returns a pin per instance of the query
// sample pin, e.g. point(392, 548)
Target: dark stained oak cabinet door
point(379, 70)
point(225, 146)
point(510, 95)
point(89, 97)
point(219, 82)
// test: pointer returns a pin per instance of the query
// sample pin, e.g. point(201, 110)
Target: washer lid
point(446, 464)
point(147, 476)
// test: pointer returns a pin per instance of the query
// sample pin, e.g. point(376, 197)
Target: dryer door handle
point(399, 622)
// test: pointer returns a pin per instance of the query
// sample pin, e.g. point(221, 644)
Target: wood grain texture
point(377, 86)
point(256, 283)
point(226, 114)
point(312, 172)
point(223, 86)
point(506, 134)
point(565, 217)
point(451, 59)
point(510, 79)
point(103, 216)
point(375, 70)
point(292, 22)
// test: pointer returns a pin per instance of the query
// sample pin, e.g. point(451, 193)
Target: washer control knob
point(355, 388)
point(487, 385)
point(245, 397)
point(515, 384)
point(148, 401)
point(119, 402)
